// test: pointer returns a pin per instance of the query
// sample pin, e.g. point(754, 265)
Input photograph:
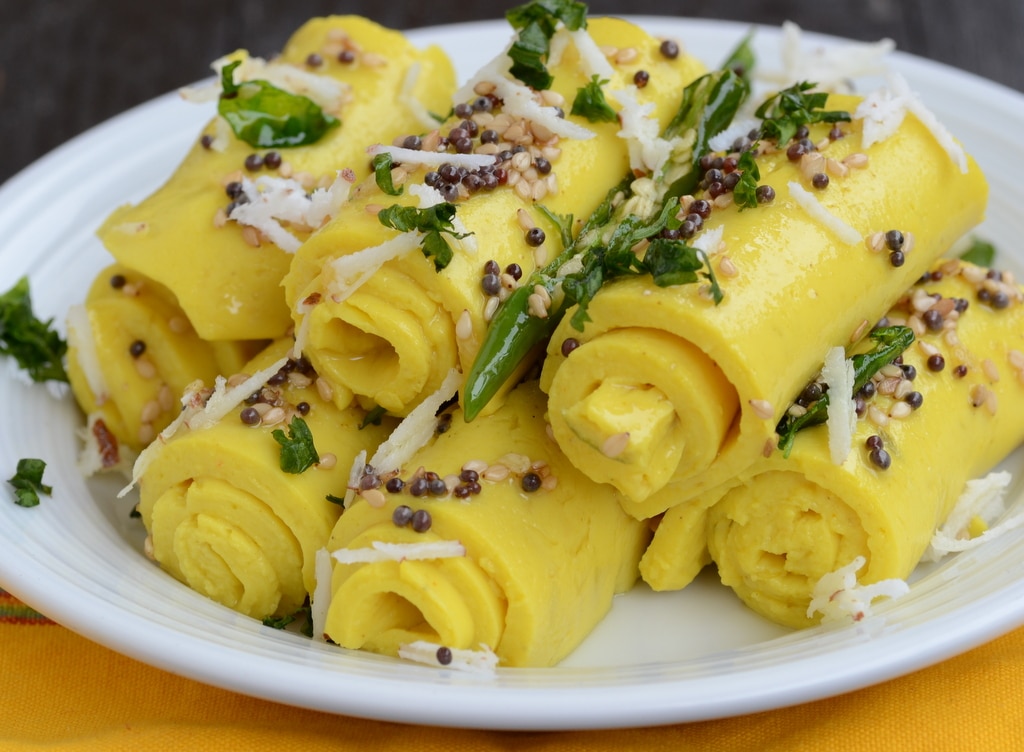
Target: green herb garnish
point(28, 483)
point(297, 451)
point(432, 222)
point(339, 500)
point(980, 252)
point(536, 23)
point(890, 341)
point(590, 103)
point(36, 347)
point(373, 417)
point(382, 174)
point(741, 60)
point(784, 113)
point(745, 192)
point(265, 116)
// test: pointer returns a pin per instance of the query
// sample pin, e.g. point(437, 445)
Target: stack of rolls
point(946, 414)
point(222, 514)
point(226, 275)
point(394, 337)
point(668, 395)
point(543, 548)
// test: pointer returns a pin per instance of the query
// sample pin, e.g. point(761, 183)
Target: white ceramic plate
point(657, 658)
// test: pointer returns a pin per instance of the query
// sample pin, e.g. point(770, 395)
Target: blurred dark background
point(66, 65)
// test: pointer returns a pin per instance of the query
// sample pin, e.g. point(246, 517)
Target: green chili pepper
point(601, 251)
point(891, 342)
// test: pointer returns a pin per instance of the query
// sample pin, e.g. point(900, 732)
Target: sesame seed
point(464, 326)
point(615, 445)
point(374, 497)
point(762, 408)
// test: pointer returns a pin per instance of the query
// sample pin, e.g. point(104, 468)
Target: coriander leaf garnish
point(297, 451)
point(382, 174)
point(745, 192)
point(431, 221)
point(373, 417)
point(980, 252)
point(562, 221)
point(590, 102)
point(742, 60)
point(890, 341)
point(36, 347)
point(28, 482)
point(263, 115)
point(784, 113)
point(339, 500)
point(536, 23)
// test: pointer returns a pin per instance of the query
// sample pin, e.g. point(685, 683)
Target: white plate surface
point(657, 658)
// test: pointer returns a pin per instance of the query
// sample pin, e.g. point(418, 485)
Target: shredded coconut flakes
point(414, 105)
point(348, 273)
point(381, 551)
point(648, 151)
point(405, 156)
point(80, 337)
point(482, 661)
point(321, 600)
point(839, 598)
point(831, 66)
point(810, 204)
point(982, 498)
point(416, 429)
point(842, 411)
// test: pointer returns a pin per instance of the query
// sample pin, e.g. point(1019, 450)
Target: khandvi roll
point(520, 553)
point(398, 289)
point(668, 391)
point(237, 506)
point(131, 353)
point(220, 233)
point(945, 414)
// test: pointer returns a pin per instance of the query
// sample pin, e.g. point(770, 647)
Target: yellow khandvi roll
point(226, 273)
point(132, 352)
point(226, 519)
point(544, 548)
point(783, 523)
point(669, 394)
point(393, 337)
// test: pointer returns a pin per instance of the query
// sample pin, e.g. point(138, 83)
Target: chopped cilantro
point(263, 115)
point(536, 23)
point(382, 174)
point(783, 113)
point(373, 417)
point(591, 103)
point(431, 221)
point(297, 451)
point(339, 500)
point(28, 482)
point(36, 347)
point(562, 221)
point(980, 252)
point(745, 192)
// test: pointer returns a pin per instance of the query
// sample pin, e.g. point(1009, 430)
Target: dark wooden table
point(66, 65)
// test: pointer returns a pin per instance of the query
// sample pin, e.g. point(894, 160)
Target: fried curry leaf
point(265, 116)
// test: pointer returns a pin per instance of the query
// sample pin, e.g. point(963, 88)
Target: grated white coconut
point(482, 661)
point(837, 372)
point(327, 91)
point(382, 551)
point(810, 204)
point(416, 429)
point(839, 598)
point(723, 140)
point(831, 66)
point(320, 601)
point(983, 498)
point(648, 151)
point(882, 112)
point(81, 338)
point(273, 200)
point(198, 413)
point(405, 156)
point(355, 472)
point(592, 60)
point(709, 241)
point(408, 98)
point(347, 274)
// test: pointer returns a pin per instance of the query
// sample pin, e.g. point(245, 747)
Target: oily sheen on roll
point(392, 339)
point(132, 352)
point(226, 274)
point(541, 561)
point(668, 394)
point(225, 518)
point(780, 525)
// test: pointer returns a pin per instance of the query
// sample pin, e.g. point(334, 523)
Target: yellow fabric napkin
point(63, 691)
